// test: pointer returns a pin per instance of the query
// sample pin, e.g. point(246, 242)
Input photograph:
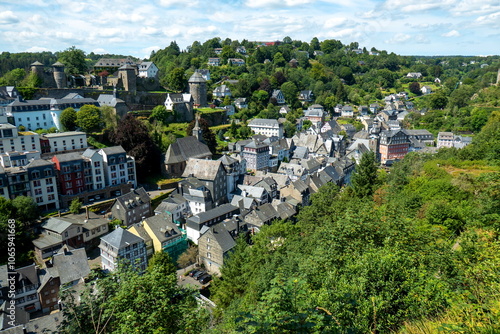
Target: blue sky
point(406, 27)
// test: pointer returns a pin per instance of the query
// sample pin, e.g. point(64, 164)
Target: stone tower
point(498, 77)
point(127, 74)
point(197, 131)
point(198, 89)
point(374, 142)
point(59, 75)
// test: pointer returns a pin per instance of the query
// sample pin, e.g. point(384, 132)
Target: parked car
point(205, 279)
point(199, 273)
point(192, 272)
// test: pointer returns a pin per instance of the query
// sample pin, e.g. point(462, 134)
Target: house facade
point(132, 207)
point(256, 155)
point(123, 246)
point(394, 145)
point(266, 127)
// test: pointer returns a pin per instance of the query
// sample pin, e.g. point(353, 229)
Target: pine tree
point(364, 177)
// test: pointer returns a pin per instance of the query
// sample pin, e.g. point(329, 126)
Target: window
point(67, 177)
point(51, 197)
point(68, 184)
point(48, 181)
point(39, 199)
point(38, 191)
point(37, 183)
point(209, 255)
point(97, 164)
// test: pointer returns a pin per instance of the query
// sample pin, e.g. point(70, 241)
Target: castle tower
point(197, 131)
point(127, 74)
point(37, 68)
point(198, 89)
point(59, 75)
point(498, 77)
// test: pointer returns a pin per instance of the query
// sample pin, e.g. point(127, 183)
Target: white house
point(266, 127)
point(12, 140)
point(65, 141)
point(95, 161)
point(119, 168)
point(44, 113)
point(147, 69)
point(222, 91)
point(426, 90)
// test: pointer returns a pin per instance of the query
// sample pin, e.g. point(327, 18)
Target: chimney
point(87, 212)
point(58, 213)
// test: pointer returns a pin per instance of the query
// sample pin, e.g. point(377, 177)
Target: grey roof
point(126, 67)
point(223, 237)
point(252, 191)
point(57, 225)
point(214, 213)
point(64, 134)
point(283, 209)
point(243, 202)
point(109, 100)
point(46, 324)
point(196, 78)
point(202, 169)
point(39, 163)
point(300, 185)
point(66, 157)
point(46, 241)
point(71, 265)
point(227, 160)
point(262, 214)
point(264, 122)
point(163, 227)
point(36, 63)
point(134, 198)
point(89, 153)
point(121, 238)
point(113, 150)
point(185, 148)
point(58, 63)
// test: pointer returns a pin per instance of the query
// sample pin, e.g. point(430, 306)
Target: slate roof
point(45, 241)
point(109, 99)
point(185, 148)
point(113, 150)
point(66, 157)
point(262, 214)
point(284, 210)
point(197, 78)
point(214, 213)
point(121, 238)
point(252, 191)
point(135, 198)
point(57, 225)
point(71, 265)
point(163, 227)
point(223, 237)
point(202, 169)
point(39, 163)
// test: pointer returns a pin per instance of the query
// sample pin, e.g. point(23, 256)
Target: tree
point(88, 118)
point(162, 261)
point(13, 77)
point(73, 60)
point(438, 100)
point(414, 87)
point(279, 60)
point(188, 257)
point(290, 92)
point(365, 175)
point(160, 114)
point(32, 80)
point(134, 137)
point(176, 80)
point(26, 209)
point(68, 119)
point(109, 117)
point(75, 206)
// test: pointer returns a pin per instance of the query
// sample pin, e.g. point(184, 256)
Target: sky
point(405, 27)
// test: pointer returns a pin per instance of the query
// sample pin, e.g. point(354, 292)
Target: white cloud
point(335, 22)
point(146, 52)
point(171, 3)
point(452, 33)
point(99, 51)
point(276, 3)
point(36, 49)
point(398, 38)
point(8, 17)
point(491, 19)
point(110, 32)
point(149, 31)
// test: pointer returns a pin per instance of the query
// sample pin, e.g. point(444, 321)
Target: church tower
point(197, 131)
point(198, 89)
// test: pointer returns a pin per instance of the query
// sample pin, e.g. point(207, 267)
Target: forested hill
point(417, 251)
